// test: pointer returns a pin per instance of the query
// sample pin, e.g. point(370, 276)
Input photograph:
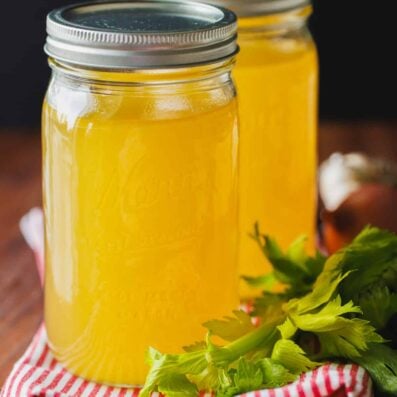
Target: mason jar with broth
point(140, 149)
point(276, 77)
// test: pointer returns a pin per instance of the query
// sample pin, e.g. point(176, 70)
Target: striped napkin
point(38, 374)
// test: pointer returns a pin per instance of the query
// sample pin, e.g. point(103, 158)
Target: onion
point(356, 191)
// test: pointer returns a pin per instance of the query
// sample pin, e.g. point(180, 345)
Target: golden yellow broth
point(141, 212)
point(277, 87)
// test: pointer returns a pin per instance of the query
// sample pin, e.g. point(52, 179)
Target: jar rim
point(125, 34)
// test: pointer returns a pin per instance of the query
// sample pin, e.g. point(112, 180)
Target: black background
point(356, 41)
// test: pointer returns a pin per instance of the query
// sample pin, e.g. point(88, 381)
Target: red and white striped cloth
point(38, 374)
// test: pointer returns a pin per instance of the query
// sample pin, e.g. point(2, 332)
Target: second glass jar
point(276, 76)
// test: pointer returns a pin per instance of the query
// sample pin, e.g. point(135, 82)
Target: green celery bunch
point(340, 308)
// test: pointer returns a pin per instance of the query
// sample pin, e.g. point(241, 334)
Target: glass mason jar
point(140, 163)
point(276, 76)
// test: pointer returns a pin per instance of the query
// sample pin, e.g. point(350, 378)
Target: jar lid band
point(135, 34)
point(251, 8)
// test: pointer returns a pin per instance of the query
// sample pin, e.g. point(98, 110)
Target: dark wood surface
point(20, 178)
point(20, 293)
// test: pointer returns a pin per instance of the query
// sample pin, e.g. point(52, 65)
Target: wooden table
point(20, 293)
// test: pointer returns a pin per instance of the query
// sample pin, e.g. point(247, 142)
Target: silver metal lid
point(250, 8)
point(141, 34)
